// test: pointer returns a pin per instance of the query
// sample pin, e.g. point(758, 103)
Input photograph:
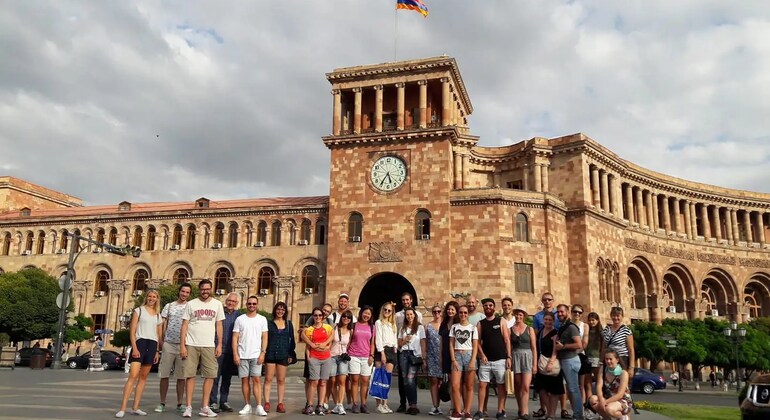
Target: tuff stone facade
point(564, 215)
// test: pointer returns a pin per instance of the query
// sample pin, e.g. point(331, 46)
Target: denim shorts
point(494, 368)
point(464, 360)
point(338, 367)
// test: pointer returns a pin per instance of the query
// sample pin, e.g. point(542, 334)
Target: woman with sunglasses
point(433, 354)
point(463, 348)
point(280, 345)
point(385, 343)
point(411, 343)
point(318, 338)
point(361, 351)
point(340, 358)
point(585, 366)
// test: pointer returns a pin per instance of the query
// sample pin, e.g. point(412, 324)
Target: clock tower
point(398, 145)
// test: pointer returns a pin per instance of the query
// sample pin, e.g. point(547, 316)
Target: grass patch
point(691, 412)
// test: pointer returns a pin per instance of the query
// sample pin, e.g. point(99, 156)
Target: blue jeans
point(226, 371)
point(570, 368)
point(409, 373)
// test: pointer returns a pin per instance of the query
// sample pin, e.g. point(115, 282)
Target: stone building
point(415, 204)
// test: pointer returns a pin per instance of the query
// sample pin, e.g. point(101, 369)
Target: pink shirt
point(361, 343)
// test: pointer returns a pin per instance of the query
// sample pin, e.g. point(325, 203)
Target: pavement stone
point(77, 394)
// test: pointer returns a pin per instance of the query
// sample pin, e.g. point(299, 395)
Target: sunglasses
point(251, 304)
point(318, 315)
point(437, 312)
point(577, 312)
point(347, 317)
point(387, 310)
point(547, 299)
point(463, 312)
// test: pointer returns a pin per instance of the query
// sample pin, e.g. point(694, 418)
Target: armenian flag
point(416, 5)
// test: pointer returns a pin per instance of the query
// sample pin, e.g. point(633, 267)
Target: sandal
point(539, 413)
point(565, 414)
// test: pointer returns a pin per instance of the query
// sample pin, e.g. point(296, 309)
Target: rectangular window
point(99, 321)
point(514, 185)
point(524, 281)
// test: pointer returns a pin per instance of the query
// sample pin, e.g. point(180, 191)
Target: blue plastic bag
point(380, 384)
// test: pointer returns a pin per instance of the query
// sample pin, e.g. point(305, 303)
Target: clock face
point(388, 173)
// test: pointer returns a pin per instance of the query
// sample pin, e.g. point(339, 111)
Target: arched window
point(100, 286)
point(310, 279)
point(77, 241)
point(422, 225)
point(265, 280)
point(100, 235)
point(604, 290)
point(181, 275)
point(248, 229)
point(320, 232)
point(292, 232)
point(113, 239)
point(40, 242)
point(150, 238)
point(355, 227)
point(65, 240)
point(222, 279)
point(304, 233)
point(219, 234)
point(137, 241)
point(275, 233)
point(232, 236)
point(176, 239)
point(190, 239)
point(140, 279)
point(7, 244)
point(29, 242)
point(262, 234)
point(521, 232)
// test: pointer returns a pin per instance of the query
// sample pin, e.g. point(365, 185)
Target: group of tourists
point(566, 357)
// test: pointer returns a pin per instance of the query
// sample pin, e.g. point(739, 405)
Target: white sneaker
point(245, 410)
point(206, 412)
point(260, 411)
point(187, 412)
point(341, 410)
point(120, 414)
point(381, 409)
point(387, 407)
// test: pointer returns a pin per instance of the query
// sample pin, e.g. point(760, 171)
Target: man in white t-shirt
point(168, 345)
point(201, 322)
point(249, 346)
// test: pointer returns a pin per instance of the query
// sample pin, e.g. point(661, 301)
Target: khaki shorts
point(203, 357)
point(170, 362)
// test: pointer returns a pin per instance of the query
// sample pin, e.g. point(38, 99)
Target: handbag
point(542, 362)
point(344, 356)
point(444, 393)
point(380, 384)
point(509, 383)
point(414, 360)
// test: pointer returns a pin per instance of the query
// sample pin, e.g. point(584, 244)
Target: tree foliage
point(121, 338)
point(28, 308)
point(79, 330)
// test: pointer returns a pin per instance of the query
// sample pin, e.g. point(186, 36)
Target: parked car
point(25, 354)
point(646, 381)
point(757, 402)
point(110, 360)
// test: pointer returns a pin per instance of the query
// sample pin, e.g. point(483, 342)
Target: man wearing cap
point(343, 303)
point(494, 357)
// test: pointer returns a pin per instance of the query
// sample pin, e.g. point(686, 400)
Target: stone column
point(458, 170)
point(649, 218)
point(544, 177)
point(336, 112)
point(655, 213)
point(747, 224)
point(378, 108)
point(734, 223)
point(613, 191)
point(595, 200)
point(760, 229)
point(400, 92)
point(704, 220)
point(693, 221)
point(446, 102)
point(688, 220)
point(538, 178)
point(630, 204)
point(666, 216)
point(604, 186)
point(677, 217)
point(464, 169)
point(357, 111)
point(423, 103)
point(640, 208)
point(525, 179)
point(497, 175)
point(729, 227)
point(716, 222)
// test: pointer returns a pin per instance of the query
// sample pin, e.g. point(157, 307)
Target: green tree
point(80, 330)
point(648, 343)
point(121, 338)
point(28, 308)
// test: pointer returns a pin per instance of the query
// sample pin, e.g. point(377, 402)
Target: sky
point(174, 100)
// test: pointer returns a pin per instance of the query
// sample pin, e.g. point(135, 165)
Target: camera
point(344, 357)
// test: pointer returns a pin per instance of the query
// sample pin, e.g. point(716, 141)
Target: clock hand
point(389, 178)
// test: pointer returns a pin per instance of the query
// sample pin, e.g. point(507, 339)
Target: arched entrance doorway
point(385, 287)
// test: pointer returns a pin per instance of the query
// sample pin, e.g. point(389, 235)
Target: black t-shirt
point(492, 342)
point(566, 332)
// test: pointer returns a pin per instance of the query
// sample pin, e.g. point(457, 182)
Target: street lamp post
point(75, 251)
point(736, 336)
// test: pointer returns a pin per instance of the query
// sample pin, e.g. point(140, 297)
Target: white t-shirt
point(203, 318)
point(464, 336)
point(414, 343)
point(147, 327)
point(173, 312)
point(475, 317)
point(250, 331)
point(400, 318)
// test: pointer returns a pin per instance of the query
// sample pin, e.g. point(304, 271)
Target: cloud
point(147, 101)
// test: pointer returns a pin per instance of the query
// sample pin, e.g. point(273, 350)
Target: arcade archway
point(385, 287)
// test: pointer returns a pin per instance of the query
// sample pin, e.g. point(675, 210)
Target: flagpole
point(395, 38)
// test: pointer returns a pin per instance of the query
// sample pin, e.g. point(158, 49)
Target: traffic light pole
point(67, 284)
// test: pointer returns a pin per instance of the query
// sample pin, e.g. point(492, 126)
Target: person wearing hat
point(523, 362)
point(494, 357)
point(343, 304)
